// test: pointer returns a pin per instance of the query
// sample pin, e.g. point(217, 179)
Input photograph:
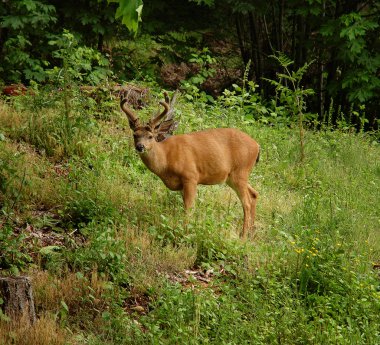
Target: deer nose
point(140, 147)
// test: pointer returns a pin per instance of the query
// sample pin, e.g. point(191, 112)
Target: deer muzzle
point(140, 148)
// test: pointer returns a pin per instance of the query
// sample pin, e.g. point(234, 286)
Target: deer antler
point(168, 126)
point(133, 120)
point(154, 122)
point(171, 103)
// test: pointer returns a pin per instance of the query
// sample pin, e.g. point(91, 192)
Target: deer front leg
point(189, 193)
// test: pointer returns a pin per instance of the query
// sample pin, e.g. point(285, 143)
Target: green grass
point(119, 241)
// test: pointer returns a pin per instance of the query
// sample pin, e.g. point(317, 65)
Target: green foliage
point(294, 96)
point(247, 103)
point(224, 312)
point(84, 203)
point(104, 252)
point(289, 91)
point(60, 134)
point(26, 22)
point(8, 173)
point(12, 181)
point(204, 2)
point(79, 63)
point(204, 61)
point(286, 108)
point(350, 33)
point(191, 86)
point(57, 135)
point(28, 12)
point(129, 12)
point(341, 36)
point(31, 43)
point(190, 314)
point(13, 248)
point(179, 45)
point(13, 253)
point(136, 59)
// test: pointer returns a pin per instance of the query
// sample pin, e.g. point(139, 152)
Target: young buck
point(208, 157)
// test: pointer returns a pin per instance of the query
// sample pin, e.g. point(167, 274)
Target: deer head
point(155, 130)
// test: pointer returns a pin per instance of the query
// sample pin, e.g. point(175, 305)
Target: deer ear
point(165, 129)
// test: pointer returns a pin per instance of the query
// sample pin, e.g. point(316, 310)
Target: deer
point(208, 157)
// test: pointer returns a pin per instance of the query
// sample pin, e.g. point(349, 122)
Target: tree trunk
point(276, 30)
point(256, 50)
point(321, 74)
point(294, 28)
point(240, 34)
point(281, 25)
point(300, 35)
point(100, 42)
point(17, 296)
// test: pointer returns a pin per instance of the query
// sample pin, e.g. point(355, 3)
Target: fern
point(282, 58)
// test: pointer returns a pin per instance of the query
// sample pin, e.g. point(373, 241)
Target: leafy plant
point(204, 61)
point(84, 202)
point(293, 96)
point(13, 254)
point(191, 86)
point(11, 181)
point(104, 252)
point(79, 63)
point(247, 103)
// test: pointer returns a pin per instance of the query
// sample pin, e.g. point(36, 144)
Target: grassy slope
point(116, 251)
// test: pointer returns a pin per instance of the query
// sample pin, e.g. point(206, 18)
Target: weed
point(292, 96)
point(13, 254)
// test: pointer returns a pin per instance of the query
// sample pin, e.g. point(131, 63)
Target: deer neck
point(155, 159)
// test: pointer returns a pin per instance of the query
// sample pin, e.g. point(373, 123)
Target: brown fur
point(208, 157)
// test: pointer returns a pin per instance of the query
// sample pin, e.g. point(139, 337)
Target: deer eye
point(150, 136)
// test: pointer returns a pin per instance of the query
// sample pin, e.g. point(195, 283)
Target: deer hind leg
point(254, 196)
point(241, 187)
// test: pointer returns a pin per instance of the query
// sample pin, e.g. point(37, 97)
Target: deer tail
point(258, 156)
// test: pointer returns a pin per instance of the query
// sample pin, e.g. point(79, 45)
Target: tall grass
point(112, 248)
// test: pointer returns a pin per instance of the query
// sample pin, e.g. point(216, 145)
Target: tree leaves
point(14, 22)
point(27, 13)
point(130, 13)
